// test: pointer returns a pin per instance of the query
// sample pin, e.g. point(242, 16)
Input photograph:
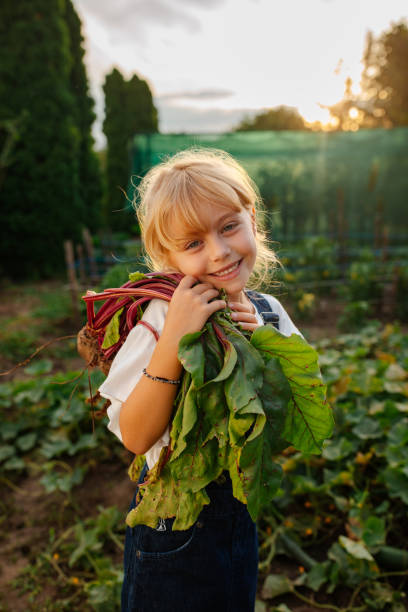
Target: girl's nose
point(219, 249)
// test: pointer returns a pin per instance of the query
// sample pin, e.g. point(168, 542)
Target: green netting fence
point(348, 186)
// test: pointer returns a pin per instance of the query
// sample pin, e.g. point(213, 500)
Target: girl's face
point(222, 252)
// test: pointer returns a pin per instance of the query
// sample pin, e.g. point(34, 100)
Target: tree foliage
point(129, 110)
point(279, 118)
point(43, 136)
point(384, 79)
point(383, 100)
point(89, 169)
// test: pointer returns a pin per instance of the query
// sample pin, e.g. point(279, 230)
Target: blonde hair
point(180, 186)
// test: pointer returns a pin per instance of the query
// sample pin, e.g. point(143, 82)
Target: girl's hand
point(190, 307)
point(242, 314)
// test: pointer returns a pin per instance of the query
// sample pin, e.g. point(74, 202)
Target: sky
point(210, 63)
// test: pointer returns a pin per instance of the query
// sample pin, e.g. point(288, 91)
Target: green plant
point(354, 316)
point(401, 302)
point(305, 304)
point(363, 281)
point(116, 276)
point(350, 503)
point(47, 428)
point(16, 339)
point(54, 306)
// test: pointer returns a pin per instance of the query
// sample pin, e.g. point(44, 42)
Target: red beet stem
point(130, 297)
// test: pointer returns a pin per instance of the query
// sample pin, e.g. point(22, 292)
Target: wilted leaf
point(355, 549)
point(395, 372)
point(274, 585)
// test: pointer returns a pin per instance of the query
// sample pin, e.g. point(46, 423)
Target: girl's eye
point(192, 245)
point(229, 227)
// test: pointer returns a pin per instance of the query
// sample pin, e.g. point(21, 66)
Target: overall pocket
point(162, 542)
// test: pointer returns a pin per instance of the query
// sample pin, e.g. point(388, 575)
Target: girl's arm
point(146, 413)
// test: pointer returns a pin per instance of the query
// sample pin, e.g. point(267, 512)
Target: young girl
point(198, 216)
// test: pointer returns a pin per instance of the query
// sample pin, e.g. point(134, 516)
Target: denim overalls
point(210, 567)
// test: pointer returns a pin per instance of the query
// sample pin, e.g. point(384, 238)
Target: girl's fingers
point(243, 316)
point(241, 307)
point(249, 326)
point(203, 287)
point(216, 305)
point(187, 282)
point(209, 294)
point(191, 282)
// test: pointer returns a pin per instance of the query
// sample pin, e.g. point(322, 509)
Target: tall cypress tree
point(40, 201)
point(129, 110)
point(117, 159)
point(140, 108)
point(89, 172)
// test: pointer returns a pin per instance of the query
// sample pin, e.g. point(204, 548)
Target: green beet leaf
point(136, 276)
point(112, 334)
point(261, 476)
point(163, 498)
point(199, 466)
point(309, 419)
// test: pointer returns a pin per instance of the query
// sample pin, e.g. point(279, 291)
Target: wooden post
point(341, 230)
point(396, 276)
point(81, 264)
point(385, 242)
point(73, 283)
point(378, 224)
point(91, 257)
point(386, 295)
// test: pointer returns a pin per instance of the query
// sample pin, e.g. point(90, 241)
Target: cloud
point(200, 94)
point(203, 3)
point(178, 118)
point(133, 17)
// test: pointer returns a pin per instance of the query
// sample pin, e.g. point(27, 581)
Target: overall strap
point(264, 308)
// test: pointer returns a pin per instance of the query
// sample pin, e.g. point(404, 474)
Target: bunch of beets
point(244, 397)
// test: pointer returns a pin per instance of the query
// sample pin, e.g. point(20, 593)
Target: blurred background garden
point(91, 96)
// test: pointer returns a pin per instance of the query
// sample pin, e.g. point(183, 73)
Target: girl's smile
point(222, 251)
point(229, 271)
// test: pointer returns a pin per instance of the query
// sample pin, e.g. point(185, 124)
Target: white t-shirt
point(135, 354)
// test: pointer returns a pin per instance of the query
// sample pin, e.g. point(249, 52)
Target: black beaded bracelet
point(160, 379)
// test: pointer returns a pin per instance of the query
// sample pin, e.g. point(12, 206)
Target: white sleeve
point(127, 366)
point(286, 325)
